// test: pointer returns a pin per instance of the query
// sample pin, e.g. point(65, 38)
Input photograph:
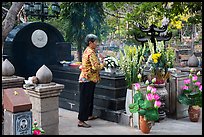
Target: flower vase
point(145, 126)
point(194, 113)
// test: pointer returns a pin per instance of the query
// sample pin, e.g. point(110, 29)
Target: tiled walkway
point(68, 126)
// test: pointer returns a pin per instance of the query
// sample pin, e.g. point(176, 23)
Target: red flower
point(36, 132)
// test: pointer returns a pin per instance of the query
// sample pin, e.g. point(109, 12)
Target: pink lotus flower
point(187, 81)
point(190, 75)
point(195, 78)
point(149, 96)
point(149, 88)
point(200, 88)
point(197, 83)
point(192, 70)
point(146, 82)
point(148, 101)
point(157, 104)
point(137, 86)
point(156, 96)
point(153, 91)
point(154, 80)
point(198, 73)
point(185, 88)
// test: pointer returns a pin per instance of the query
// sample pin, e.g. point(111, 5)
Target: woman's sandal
point(84, 125)
point(92, 117)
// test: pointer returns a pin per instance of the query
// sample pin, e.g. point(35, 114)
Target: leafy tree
point(147, 13)
point(82, 18)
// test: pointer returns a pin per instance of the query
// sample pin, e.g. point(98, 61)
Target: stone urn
point(44, 75)
point(193, 61)
point(7, 68)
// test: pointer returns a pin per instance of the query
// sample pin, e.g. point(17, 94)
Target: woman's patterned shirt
point(90, 66)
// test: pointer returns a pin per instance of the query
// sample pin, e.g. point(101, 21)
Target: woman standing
point(87, 80)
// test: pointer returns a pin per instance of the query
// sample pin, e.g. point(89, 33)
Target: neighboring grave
point(18, 117)
point(9, 80)
point(30, 45)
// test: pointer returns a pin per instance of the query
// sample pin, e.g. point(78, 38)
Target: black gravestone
point(64, 51)
point(26, 57)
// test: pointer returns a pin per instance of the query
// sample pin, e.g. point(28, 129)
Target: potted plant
point(146, 104)
point(191, 95)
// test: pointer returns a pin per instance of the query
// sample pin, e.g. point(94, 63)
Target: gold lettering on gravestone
point(15, 93)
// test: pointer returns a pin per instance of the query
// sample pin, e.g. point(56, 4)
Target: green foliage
point(147, 13)
point(170, 56)
point(83, 18)
point(130, 62)
point(61, 24)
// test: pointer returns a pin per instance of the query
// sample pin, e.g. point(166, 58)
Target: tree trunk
point(10, 20)
point(79, 52)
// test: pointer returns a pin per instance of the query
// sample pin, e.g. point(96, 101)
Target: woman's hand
point(104, 63)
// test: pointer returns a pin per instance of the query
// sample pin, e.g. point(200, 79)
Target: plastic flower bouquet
point(192, 90)
point(160, 61)
point(146, 103)
point(37, 130)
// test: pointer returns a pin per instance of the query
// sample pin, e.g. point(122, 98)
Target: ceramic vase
point(194, 113)
point(145, 126)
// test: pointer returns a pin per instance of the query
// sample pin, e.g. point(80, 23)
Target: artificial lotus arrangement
point(192, 90)
point(146, 103)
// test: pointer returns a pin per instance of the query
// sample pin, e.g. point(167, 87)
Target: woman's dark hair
point(90, 37)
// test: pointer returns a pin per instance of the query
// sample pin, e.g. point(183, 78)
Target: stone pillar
point(12, 81)
point(17, 114)
point(177, 110)
point(9, 80)
point(45, 106)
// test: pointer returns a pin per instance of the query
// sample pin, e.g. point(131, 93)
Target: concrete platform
point(68, 126)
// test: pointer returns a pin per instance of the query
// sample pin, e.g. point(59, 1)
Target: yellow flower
point(155, 60)
point(156, 56)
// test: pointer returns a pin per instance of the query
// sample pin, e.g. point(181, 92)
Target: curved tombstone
point(193, 61)
point(44, 75)
point(30, 45)
point(7, 68)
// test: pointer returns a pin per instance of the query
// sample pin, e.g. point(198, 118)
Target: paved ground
point(68, 126)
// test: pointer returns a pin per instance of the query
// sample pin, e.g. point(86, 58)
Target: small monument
point(17, 114)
